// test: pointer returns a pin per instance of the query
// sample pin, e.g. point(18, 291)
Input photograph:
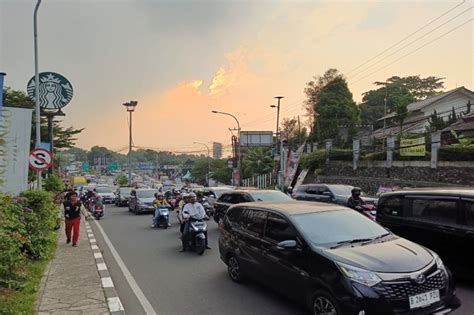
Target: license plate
point(424, 299)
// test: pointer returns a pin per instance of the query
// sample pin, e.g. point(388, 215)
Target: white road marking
point(97, 255)
point(131, 281)
point(107, 282)
point(114, 304)
point(90, 235)
point(94, 247)
point(92, 240)
point(101, 266)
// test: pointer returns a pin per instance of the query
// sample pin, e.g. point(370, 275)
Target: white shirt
point(195, 210)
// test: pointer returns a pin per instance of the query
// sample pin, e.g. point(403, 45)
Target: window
point(391, 206)
point(278, 229)
point(237, 198)
point(313, 190)
point(233, 216)
point(439, 211)
point(254, 221)
point(469, 206)
point(225, 198)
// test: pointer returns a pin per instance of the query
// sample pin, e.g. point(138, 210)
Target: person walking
point(71, 210)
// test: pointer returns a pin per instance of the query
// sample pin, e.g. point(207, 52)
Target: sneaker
point(68, 241)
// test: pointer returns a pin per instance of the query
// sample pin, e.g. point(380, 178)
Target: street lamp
point(208, 161)
point(37, 83)
point(130, 108)
point(237, 183)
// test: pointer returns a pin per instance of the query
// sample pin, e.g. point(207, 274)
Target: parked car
point(440, 219)
point(122, 196)
point(327, 193)
point(141, 200)
point(333, 259)
point(213, 193)
point(106, 193)
point(228, 199)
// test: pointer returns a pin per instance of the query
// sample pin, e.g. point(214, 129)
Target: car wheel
point(324, 304)
point(234, 269)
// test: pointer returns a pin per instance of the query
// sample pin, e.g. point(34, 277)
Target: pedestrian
point(72, 209)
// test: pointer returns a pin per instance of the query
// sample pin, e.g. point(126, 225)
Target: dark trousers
point(185, 233)
point(72, 225)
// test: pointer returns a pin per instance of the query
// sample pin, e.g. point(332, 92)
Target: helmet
point(356, 190)
point(192, 195)
point(185, 195)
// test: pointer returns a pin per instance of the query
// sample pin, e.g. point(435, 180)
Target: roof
point(430, 100)
point(446, 191)
point(463, 124)
point(293, 207)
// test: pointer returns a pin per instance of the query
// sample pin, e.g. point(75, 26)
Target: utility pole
point(130, 108)
point(280, 141)
point(37, 83)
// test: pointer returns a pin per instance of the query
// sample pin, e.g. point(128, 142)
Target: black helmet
point(356, 190)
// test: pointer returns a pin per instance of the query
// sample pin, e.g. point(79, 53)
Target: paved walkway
point(72, 284)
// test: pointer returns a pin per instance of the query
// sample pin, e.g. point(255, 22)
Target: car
point(333, 260)
point(141, 200)
point(213, 193)
point(106, 193)
point(230, 198)
point(122, 196)
point(441, 219)
point(333, 193)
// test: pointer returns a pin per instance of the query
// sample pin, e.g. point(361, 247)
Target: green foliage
point(419, 88)
point(313, 160)
point(335, 107)
point(220, 171)
point(122, 180)
point(200, 170)
point(257, 161)
point(456, 152)
point(53, 184)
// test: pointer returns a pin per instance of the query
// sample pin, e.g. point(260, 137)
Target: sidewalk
point(71, 283)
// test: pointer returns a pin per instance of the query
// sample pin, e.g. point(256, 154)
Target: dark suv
point(327, 193)
point(333, 259)
point(228, 199)
point(440, 219)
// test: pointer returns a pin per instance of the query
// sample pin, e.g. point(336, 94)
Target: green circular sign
point(55, 91)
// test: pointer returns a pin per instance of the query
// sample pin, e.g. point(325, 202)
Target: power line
point(406, 37)
point(412, 42)
point(413, 51)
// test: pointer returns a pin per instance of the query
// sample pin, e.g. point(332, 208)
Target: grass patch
point(22, 300)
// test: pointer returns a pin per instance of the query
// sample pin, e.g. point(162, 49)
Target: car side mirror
point(287, 245)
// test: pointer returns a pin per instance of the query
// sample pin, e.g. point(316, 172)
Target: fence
point(260, 181)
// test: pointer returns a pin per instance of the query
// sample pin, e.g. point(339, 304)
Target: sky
point(180, 59)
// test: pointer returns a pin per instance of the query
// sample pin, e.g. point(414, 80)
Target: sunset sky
point(181, 59)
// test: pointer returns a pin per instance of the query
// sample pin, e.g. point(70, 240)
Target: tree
point(292, 132)
point(419, 88)
point(312, 90)
point(199, 170)
point(122, 180)
point(257, 161)
point(53, 184)
point(335, 107)
point(220, 171)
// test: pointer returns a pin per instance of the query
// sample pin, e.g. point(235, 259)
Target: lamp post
point(236, 182)
point(130, 108)
point(208, 161)
point(280, 142)
point(37, 83)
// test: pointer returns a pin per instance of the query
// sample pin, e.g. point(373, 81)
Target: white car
point(106, 193)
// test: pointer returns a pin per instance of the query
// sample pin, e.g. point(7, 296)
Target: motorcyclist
point(355, 201)
point(194, 210)
point(158, 202)
point(179, 211)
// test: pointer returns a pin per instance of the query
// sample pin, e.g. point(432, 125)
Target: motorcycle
point(98, 209)
point(163, 217)
point(207, 207)
point(196, 237)
point(369, 210)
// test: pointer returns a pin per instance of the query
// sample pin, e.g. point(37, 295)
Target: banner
point(292, 164)
point(15, 136)
point(413, 147)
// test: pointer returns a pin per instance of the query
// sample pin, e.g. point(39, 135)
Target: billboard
point(15, 135)
point(256, 138)
point(413, 147)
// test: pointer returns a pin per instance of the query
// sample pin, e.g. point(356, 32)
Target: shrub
point(53, 184)
point(341, 154)
point(122, 180)
point(456, 152)
point(313, 160)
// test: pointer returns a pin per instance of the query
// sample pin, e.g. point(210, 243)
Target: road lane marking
point(128, 276)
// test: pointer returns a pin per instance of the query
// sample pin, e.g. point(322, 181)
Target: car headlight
point(440, 265)
point(359, 275)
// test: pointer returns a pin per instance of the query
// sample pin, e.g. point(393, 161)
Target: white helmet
point(192, 195)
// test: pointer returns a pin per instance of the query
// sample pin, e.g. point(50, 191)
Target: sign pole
point(37, 101)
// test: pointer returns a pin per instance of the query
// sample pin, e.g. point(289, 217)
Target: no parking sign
point(40, 159)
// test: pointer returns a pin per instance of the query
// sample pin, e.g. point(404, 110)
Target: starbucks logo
point(55, 91)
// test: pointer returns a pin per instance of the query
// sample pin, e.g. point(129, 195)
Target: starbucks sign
point(55, 91)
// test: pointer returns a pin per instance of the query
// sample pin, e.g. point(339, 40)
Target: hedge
point(456, 152)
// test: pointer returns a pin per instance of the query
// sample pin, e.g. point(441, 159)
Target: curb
point(113, 300)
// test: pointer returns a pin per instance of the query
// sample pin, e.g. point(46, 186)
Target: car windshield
point(146, 193)
point(269, 196)
point(104, 189)
point(125, 191)
point(342, 190)
point(331, 227)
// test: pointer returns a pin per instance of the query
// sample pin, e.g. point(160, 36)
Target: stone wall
point(370, 175)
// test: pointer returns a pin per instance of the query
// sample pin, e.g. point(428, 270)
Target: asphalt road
point(185, 283)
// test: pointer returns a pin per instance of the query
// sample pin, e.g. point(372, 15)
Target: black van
point(333, 259)
point(440, 219)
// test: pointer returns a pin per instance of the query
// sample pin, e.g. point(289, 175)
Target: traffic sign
point(40, 159)
point(55, 91)
point(85, 167)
